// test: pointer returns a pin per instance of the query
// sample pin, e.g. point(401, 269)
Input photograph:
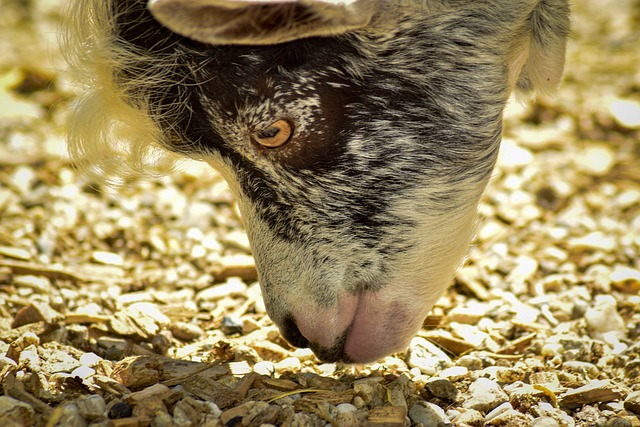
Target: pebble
point(595, 159)
point(472, 363)
point(469, 417)
point(632, 402)
point(509, 375)
point(498, 411)
point(16, 413)
point(288, 364)
point(92, 408)
point(15, 253)
point(232, 287)
point(29, 357)
point(185, 331)
point(83, 372)
point(442, 388)
point(68, 415)
point(264, 367)
point(595, 240)
point(39, 284)
point(60, 361)
point(345, 407)
point(484, 395)
point(456, 373)
point(428, 414)
point(626, 279)
point(90, 359)
point(512, 155)
point(426, 357)
point(626, 112)
point(545, 422)
point(588, 370)
point(370, 390)
point(603, 318)
point(107, 258)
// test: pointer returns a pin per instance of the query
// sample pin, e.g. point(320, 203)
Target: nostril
point(291, 333)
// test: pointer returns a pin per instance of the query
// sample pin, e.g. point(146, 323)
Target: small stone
point(472, 363)
point(484, 395)
point(442, 388)
point(231, 325)
point(107, 258)
point(524, 269)
point(545, 422)
point(619, 422)
point(510, 417)
point(585, 369)
point(120, 410)
point(595, 159)
point(512, 155)
point(304, 354)
point(632, 402)
point(469, 417)
point(83, 372)
point(15, 413)
point(60, 361)
point(426, 357)
point(35, 312)
point(264, 367)
point(370, 390)
point(288, 364)
point(92, 408)
point(39, 284)
point(185, 331)
point(231, 288)
point(603, 318)
point(626, 279)
point(30, 357)
point(500, 409)
point(346, 407)
point(68, 415)
point(161, 342)
point(428, 414)
point(510, 375)
point(90, 359)
point(626, 112)
point(455, 373)
point(547, 379)
point(595, 240)
point(15, 253)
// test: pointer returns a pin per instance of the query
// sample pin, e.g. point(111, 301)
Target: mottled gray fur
point(359, 220)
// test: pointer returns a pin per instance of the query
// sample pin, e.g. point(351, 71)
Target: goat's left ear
point(261, 21)
point(538, 68)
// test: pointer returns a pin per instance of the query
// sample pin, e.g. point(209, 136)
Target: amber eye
point(274, 135)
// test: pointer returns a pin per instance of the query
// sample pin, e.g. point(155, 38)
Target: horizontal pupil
point(268, 132)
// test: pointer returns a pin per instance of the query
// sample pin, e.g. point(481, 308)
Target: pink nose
point(361, 328)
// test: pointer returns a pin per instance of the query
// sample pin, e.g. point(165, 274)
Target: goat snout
point(360, 328)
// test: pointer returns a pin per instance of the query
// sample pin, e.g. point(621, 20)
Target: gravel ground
point(139, 306)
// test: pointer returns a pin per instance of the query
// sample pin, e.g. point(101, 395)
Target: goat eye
point(276, 134)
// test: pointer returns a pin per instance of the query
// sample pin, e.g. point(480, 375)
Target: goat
point(357, 136)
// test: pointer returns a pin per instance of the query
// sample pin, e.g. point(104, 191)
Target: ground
point(139, 305)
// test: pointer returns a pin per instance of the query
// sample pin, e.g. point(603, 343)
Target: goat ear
point(543, 60)
point(261, 21)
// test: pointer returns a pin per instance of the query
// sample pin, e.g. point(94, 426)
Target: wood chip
point(387, 416)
